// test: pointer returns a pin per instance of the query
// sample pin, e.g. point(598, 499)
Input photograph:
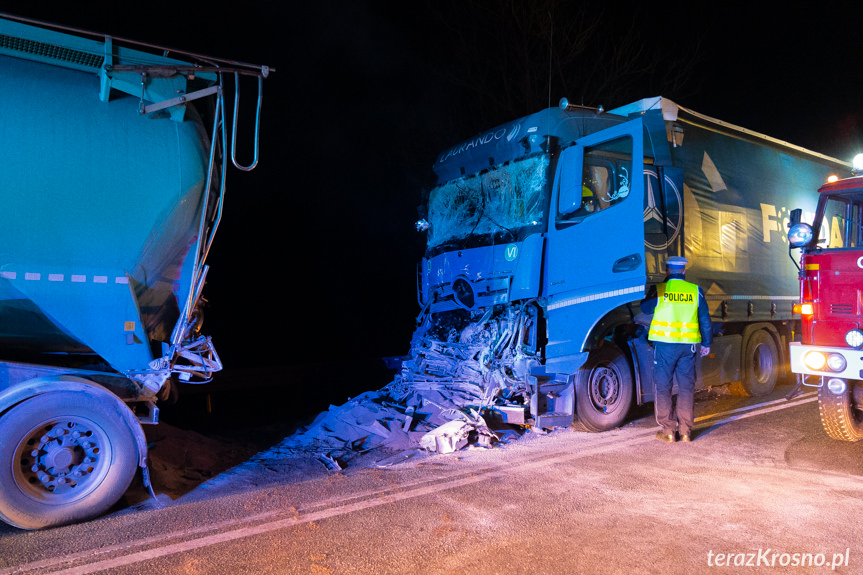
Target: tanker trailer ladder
point(254, 163)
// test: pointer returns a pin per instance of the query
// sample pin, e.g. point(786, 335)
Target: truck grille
point(51, 51)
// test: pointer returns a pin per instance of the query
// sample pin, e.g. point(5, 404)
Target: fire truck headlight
point(854, 338)
point(799, 235)
point(857, 163)
point(836, 385)
point(836, 362)
point(815, 360)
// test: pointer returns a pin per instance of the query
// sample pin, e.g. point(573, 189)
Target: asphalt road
point(760, 490)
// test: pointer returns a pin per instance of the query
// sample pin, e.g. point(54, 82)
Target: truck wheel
point(841, 417)
point(65, 457)
point(603, 390)
point(760, 364)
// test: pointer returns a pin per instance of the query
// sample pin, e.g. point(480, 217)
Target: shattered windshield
point(505, 198)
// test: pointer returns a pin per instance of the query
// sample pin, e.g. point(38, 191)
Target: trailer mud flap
point(642, 360)
point(720, 367)
point(645, 375)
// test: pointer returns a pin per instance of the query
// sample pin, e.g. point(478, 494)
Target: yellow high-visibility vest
point(675, 319)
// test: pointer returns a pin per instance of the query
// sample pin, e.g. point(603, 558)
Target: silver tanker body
point(111, 189)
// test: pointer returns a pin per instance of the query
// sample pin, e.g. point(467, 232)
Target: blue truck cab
point(544, 234)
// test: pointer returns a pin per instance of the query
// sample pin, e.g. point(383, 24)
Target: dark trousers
point(670, 359)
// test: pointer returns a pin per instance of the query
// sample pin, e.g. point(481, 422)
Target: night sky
point(316, 257)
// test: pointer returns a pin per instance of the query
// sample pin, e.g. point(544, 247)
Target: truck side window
point(841, 225)
point(606, 173)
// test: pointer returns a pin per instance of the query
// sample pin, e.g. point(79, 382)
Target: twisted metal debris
point(456, 372)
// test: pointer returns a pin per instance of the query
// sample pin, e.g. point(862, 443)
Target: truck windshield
point(498, 204)
point(841, 222)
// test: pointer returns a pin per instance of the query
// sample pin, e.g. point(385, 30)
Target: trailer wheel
point(603, 390)
point(841, 416)
point(760, 364)
point(65, 457)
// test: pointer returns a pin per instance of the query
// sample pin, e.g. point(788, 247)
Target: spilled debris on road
point(438, 403)
point(423, 419)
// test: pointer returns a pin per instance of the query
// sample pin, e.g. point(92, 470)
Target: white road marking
point(349, 504)
point(810, 394)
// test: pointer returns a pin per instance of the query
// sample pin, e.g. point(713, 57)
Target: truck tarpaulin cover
point(736, 230)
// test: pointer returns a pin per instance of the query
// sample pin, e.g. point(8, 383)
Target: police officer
point(680, 325)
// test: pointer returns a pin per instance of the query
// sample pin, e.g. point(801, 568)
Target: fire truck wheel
point(603, 390)
point(65, 457)
point(840, 415)
point(760, 364)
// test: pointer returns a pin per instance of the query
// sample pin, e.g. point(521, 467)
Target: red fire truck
point(829, 354)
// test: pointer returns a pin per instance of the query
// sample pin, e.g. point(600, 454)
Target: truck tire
point(760, 364)
point(603, 390)
point(65, 457)
point(841, 417)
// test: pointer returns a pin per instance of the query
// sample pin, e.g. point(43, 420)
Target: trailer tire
point(603, 390)
point(65, 457)
point(760, 364)
point(841, 417)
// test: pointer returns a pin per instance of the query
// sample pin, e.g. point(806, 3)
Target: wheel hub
point(604, 388)
point(763, 364)
point(59, 458)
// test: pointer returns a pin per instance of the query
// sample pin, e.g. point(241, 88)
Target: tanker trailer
point(111, 189)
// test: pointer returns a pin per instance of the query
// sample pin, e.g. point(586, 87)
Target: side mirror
point(796, 217)
point(570, 185)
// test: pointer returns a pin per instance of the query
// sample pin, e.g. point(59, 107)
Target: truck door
point(595, 257)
